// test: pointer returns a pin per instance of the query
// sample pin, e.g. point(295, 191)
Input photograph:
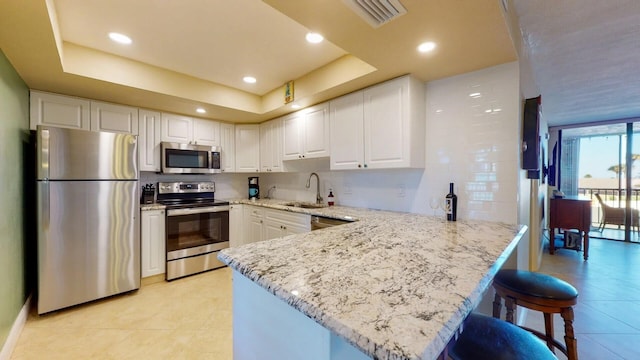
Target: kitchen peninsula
point(388, 286)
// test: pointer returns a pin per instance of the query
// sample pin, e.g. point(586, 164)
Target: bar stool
point(486, 338)
point(543, 293)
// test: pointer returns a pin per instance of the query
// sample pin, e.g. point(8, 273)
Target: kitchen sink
point(305, 205)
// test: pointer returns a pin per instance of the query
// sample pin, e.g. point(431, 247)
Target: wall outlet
point(401, 190)
point(347, 189)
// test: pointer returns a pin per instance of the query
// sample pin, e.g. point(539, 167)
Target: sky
point(599, 153)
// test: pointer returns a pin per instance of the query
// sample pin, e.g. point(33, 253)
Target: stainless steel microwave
point(179, 158)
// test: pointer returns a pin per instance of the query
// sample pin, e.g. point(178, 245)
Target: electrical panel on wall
point(531, 137)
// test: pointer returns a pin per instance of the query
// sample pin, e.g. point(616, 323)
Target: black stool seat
point(543, 293)
point(489, 338)
point(536, 284)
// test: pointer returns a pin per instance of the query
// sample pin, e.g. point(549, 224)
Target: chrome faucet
point(269, 192)
point(318, 197)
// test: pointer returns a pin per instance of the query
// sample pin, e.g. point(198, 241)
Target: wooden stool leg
point(510, 305)
point(548, 330)
point(569, 338)
point(497, 306)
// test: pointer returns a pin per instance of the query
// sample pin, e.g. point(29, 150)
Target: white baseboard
point(16, 329)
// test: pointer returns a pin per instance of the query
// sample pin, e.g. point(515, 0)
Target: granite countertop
point(395, 285)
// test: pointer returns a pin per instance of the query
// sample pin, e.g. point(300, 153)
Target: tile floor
point(191, 318)
point(607, 316)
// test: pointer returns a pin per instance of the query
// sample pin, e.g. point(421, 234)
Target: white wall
point(475, 149)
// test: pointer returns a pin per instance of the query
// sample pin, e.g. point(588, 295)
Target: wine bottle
point(451, 204)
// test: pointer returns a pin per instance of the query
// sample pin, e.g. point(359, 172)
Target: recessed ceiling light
point(295, 106)
point(314, 38)
point(249, 79)
point(475, 95)
point(120, 38)
point(426, 46)
point(201, 110)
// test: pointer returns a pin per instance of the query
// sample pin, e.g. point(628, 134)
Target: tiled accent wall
point(473, 140)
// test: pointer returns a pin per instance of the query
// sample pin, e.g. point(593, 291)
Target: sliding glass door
point(593, 163)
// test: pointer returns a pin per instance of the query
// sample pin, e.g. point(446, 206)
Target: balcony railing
point(611, 197)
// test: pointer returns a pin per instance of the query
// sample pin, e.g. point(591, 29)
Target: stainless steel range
point(197, 227)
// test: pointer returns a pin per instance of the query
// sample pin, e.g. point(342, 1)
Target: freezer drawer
point(88, 241)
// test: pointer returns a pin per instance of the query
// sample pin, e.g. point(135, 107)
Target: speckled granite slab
point(154, 206)
point(395, 285)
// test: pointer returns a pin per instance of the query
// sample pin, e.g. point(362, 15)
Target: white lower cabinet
point(152, 242)
point(263, 224)
point(279, 223)
point(253, 220)
point(236, 230)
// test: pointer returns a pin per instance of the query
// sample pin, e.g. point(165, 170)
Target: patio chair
point(616, 216)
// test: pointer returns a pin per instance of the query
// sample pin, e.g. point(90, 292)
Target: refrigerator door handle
point(43, 154)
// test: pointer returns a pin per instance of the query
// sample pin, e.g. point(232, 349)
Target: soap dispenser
point(330, 198)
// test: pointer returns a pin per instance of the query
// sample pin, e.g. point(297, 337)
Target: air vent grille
point(377, 12)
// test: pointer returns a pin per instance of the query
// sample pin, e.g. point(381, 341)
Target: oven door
point(195, 231)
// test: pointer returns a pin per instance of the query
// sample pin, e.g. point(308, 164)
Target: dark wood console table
point(570, 213)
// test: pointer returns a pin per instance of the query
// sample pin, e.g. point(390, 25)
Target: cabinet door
point(236, 217)
point(293, 136)
point(228, 145)
point(386, 124)
point(247, 148)
point(271, 146)
point(346, 128)
point(149, 140)
point(58, 110)
point(177, 128)
point(294, 229)
point(206, 132)
point(152, 242)
point(253, 224)
point(273, 230)
point(316, 131)
point(114, 118)
point(266, 156)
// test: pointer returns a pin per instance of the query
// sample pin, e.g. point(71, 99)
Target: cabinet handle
point(365, 165)
point(359, 165)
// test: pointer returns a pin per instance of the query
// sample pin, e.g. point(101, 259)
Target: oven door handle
point(197, 210)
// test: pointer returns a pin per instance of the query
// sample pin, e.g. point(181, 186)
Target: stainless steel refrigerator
point(88, 223)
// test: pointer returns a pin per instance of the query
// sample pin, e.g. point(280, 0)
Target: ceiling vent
point(377, 12)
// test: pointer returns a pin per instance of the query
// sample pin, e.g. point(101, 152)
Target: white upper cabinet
point(188, 130)
point(347, 131)
point(84, 114)
point(247, 148)
point(177, 128)
point(392, 118)
point(149, 140)
point(228, 145)
point(271, 146)
point(114, 118)
point(59, 110)
point(306, 133)
point(206, 132)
